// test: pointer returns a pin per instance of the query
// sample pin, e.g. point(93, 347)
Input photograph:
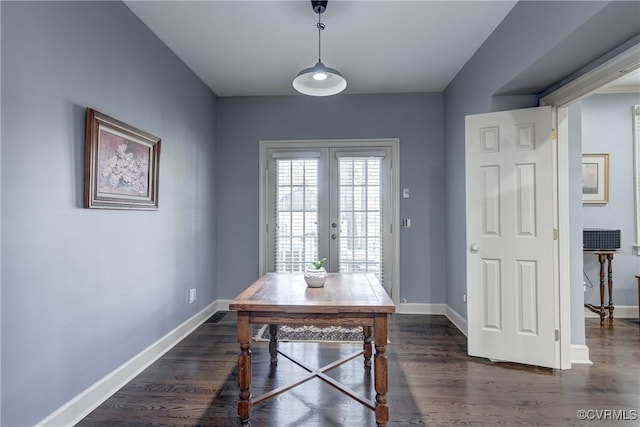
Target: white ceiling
point(241, 48)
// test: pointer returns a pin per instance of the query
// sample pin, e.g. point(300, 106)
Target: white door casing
point(511, 272)
point(619, 65)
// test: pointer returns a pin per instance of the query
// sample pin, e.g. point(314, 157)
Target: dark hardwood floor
point(432, 382)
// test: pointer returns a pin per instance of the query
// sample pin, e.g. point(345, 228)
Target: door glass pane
point(296, 213)
point(360, 213)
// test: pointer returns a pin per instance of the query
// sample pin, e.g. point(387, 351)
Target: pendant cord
point(320, 26)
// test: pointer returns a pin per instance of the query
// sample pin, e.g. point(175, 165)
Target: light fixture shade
point(331, 84)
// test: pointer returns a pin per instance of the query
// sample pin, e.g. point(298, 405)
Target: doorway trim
point(392, 143)
point(559, 99)
point(582, 86)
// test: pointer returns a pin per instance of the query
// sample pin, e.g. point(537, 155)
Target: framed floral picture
point(122, 164)
point(595, 178)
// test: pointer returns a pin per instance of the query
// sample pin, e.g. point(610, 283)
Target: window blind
point(360, 209)
point(296, 213)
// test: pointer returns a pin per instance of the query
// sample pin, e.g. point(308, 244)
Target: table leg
point(244, 369)
point(273, 343)
point(366, 331)
point(380, 369)
point(610, 284)
point(601, 259)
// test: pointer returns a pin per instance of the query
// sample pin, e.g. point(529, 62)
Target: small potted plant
point(316, 276)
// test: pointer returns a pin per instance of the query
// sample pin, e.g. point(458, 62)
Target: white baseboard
point(619, 311)
point(223, 304)
point(580, 355)
point(455, 318)
point(417, 308)
point(80, 406)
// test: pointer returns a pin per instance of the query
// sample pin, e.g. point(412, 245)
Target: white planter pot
point(315, 278)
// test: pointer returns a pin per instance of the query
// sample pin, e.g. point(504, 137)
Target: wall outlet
point(406, 222)
point(192, 295)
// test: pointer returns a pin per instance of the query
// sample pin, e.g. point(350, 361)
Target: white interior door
point(511, 281)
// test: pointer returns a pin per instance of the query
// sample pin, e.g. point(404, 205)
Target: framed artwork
point(595, 178)
point(122, 165)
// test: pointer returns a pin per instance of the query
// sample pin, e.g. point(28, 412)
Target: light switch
point(405, 193)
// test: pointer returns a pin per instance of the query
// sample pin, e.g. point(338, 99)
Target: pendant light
point(319, 80)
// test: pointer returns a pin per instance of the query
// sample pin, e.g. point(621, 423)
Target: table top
point(341, 293)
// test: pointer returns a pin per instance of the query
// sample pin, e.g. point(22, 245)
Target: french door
point(329, 202)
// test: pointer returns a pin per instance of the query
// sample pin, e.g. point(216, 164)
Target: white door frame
point(560, 99)
point(392, 143)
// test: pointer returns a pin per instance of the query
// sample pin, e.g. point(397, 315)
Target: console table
point(604, 257)
point(355, 299)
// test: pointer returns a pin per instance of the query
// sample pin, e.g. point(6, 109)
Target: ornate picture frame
point(122, 165)
point(595, 178)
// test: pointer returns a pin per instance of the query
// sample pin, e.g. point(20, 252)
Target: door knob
point(334, 236)
point(474, 247)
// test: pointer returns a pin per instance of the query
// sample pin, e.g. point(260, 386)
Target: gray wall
point(416, 119)
point(607, 127)
point(85, 290)
point(537, 43)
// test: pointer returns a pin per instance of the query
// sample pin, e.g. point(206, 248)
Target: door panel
point(490, 200)
point(492, 291)
point(511, 301)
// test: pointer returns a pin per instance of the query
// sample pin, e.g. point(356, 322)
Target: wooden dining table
point(346, 299)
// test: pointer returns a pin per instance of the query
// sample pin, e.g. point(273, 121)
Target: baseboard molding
point(619, 311)
point(417, 308)
point(223, 304)
point(580, 355)
point(80, 406)
point(455, 318)
point(440, 309)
